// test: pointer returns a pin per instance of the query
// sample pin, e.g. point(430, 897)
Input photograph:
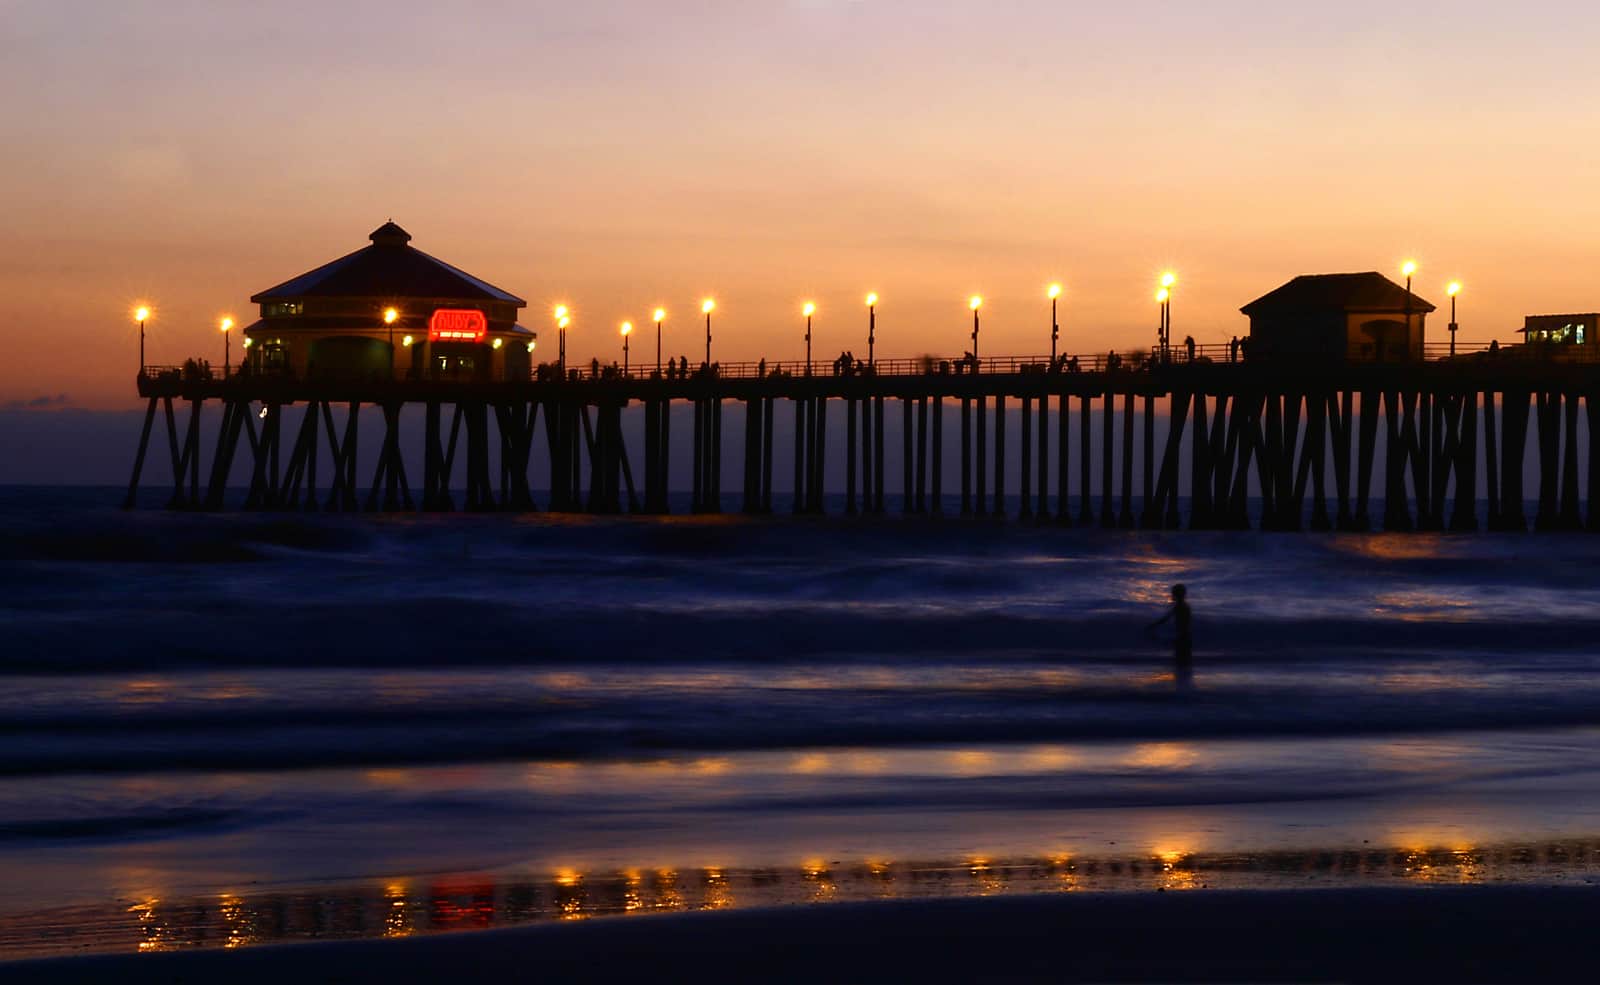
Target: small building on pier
point(1350, 318)
point(1562, 338)
point(388, 311)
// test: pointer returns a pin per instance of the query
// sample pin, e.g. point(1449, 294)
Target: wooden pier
point(1300, 438)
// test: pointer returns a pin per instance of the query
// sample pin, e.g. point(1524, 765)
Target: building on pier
point(388, 311)
point(1562, 337)
point(1351, 318)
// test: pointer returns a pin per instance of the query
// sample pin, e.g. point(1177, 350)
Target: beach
point(308, 735)
point(1444, 935)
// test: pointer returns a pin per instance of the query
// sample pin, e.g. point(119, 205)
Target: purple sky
point(619, 155)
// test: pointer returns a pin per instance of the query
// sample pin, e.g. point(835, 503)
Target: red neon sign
point(457, 325)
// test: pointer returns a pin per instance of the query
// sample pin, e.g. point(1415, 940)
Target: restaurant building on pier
point(388, 311)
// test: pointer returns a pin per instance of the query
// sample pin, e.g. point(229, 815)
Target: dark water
point(203, 708)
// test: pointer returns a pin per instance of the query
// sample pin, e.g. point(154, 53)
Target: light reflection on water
point(480, 900)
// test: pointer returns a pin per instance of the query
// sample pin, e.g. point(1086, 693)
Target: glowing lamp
point(407, 341)
point(1162, 295)
point(661, 314)
point(1168, 279)
point(627, 327)
point(1408, 268)
point(708, 306)
point(975, 302)
point(530, 346)
point(872, 299)
point(1454, 288)
point(1054, 291)
point(141, 314)
point(226, 323)
point(808, 309)
point(564, 322)
point(497, 343)
point(560, 312)
point(390, 316)
point(248, 342)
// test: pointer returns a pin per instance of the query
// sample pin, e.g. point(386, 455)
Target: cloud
point(43, 402)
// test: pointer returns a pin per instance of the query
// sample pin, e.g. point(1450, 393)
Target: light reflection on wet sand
point(480, 900)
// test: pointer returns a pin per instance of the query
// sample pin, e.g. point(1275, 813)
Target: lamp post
point(627, 330)
point(1168, 281)
point(975, 302)
point(226, 325)
point(872, 324)
point(1053, 292)
point(808, 309)
point(660, 316)
point(562, 319)
point(1453, 289)
point(390, 316)
point(1408, 268)
point(1162, 296)
point(141, 314)
point(707, 307)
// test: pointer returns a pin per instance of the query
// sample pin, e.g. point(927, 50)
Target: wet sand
point(1436, 934)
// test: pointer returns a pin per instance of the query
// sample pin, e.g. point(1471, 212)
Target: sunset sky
point(618, 155)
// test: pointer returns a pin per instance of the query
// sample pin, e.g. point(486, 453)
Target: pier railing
point(1130, 360)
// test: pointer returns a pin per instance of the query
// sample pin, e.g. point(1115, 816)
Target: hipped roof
point(389, 268)
point(1370, 291)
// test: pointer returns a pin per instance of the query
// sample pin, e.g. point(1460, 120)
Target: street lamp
point(1163, 295)
point(1168, 280)
point(872, 323)
point(975, 302)
point(1408, 268)
point(226, 325)
point(141, 315)
point(562, 319)
point(1453, 289)
point(390, 316)
point(808, 309)
point(660, 316)
point(627, 330)
point(707, 307)
point(1054, 292)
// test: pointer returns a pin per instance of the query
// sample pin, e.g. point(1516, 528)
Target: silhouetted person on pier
point(1494, 347)
point(1188, 345)
point(1182, 641)
point(1233, 350)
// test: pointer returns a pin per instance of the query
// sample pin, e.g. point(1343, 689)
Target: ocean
point(221, 729)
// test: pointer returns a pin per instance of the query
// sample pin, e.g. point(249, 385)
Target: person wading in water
point(1182, 641)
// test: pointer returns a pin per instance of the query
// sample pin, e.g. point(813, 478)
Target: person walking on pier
point(1182, 641)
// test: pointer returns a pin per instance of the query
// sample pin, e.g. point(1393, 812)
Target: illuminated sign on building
point(457, 325)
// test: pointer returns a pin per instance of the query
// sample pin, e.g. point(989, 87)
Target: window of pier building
point(1571, 334)
point(282, 309)
point(1560, 330)
point(269, 356)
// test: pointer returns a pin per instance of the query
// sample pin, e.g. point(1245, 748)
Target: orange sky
point(619, 155)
